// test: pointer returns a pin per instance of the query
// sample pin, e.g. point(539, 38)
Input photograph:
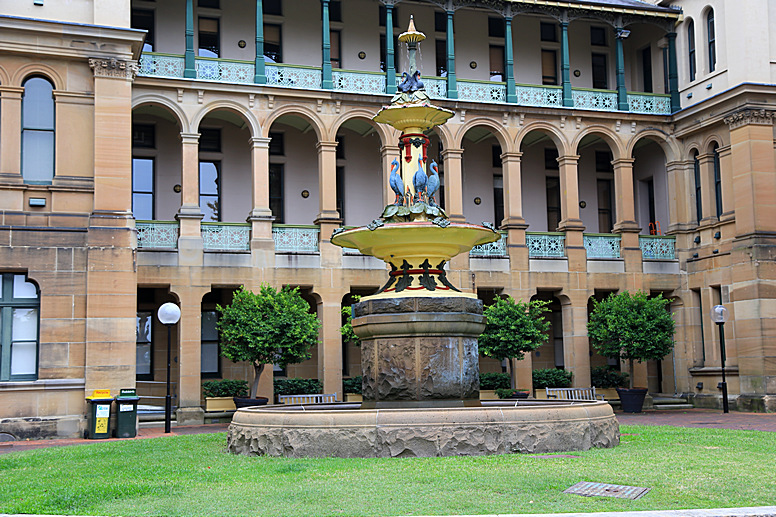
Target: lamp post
point(169, 314)
point(719, 315)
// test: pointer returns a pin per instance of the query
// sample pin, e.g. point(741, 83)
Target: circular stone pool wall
point(348, 432)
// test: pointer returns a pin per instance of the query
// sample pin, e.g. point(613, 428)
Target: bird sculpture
point(419, 181)
point(433, 183)
point(397, 185)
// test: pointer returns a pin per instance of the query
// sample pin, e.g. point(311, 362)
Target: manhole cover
point(588, 489)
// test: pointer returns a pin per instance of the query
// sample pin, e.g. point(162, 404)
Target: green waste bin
point(126, 413)
point(98, 416)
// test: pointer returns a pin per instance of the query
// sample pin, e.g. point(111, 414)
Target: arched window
point(38, 131)
point(711, 36)
point(691, 48)
point(697, 175)
point(19, 322)
point(717, 180)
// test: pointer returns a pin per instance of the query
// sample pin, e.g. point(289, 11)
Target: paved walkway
point(706, 418)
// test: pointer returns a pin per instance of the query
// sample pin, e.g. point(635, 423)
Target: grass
point(192, 475)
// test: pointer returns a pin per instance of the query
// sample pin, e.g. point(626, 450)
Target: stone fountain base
point(346, 431)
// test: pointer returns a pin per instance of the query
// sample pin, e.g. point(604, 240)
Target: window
point(19, 323)
point(717, 181)
point(209, 40)
point(382, 17)
point(210, 140)
point(603, 161)
point(143, 19)
point(38, 131)
point(144, 135)
point(335, 11)
point(604, 206)
point(334, 54)
point(276, 144)
point(697, 176)
point(273, 7)
point(495, 156)
point(666, 85)
point(600, 72)
point(496, 27)
point(551, 159)
point(273, 48)
point(650, 184)
point(440, 21)
point(549, 67)
point(553, 203)
point(691, 48)
point(211, 4)
point(712, 38)
point(210, 362)
point(143, 188)
point(646, 69)
point(341, 192)
point(548, 31)
point(441, 58)
point(384, 51)
point(598, 36)
point(498, 199)
point(276, 191)
point(144, 369)
point(209, 190)
point(340, 147)
point(497, 63)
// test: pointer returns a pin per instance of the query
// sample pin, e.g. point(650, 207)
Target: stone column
point(10, 129)
point(680, 205)
point(452, 85)
point(622, 93)
point(576, 347)
point(454, 184)
point(260, 76)
point(328, 218)
point(673, 73)
point(390, 62)
point(513, 222)
point(726, 171)
point(326, 80)
point(189, 215)
point(188, 354)
point(625, 209)
point(510, 61)
point(262, 243)
point(565, 67)
point(387, 154)
point(571, 223)
point(190, 67)
point(330, 346)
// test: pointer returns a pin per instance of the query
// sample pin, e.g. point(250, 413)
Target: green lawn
point(192, 475)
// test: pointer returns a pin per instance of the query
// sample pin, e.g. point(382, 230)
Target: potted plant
point(633, 328)
point(490, 382)
point(352, 389)
point(219, 394)
point(268, 327)
point(607, 379)
point(513, 328)
point(549, 378)
point(511, 393)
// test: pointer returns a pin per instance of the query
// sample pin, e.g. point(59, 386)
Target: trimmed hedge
point(296, 386)
point(608, 377)
point(494, 381)
point(225, 388)
point(551, 378)
point(352, 385)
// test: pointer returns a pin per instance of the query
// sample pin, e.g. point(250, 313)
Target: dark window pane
point(213, 4)
point(276, 144)
point(209, 320)
point(210, 140)
point(276, 191)
point(340, 147)
point(341, 192)
point(603, 161)
point(382, 16)
point(598, 36)
point(549, 67)
point(496, 27)
point(143, 19)
point(144, 135)
point(551, 159)
point(209, 40)
point(600, 72)
point(498, 200)
point(273, 50)
point(548, 31)
point(440, 21)
point(495, 155)
point(383, 50)
point(441, 58)
point(334, 49)
point(274, 7)
point(553, 203)
point(497, 61)
point(711, 31)
point(691, 48)
point(646, 68)
point(604, 206)
point(335, 11)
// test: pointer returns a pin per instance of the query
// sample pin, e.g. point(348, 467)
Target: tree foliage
point(514, 328)
point(347, 327)
point(268, 327)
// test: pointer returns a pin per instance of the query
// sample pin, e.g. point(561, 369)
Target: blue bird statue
point(419, 181)
point(433, 183)
point(397, 185)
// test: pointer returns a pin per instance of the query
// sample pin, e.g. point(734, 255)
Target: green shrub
point(296, 386)
point(494, 381)
point(508, 393)
point(608, 377)
point(225, 388)
point(352, 385)
point(551, 378)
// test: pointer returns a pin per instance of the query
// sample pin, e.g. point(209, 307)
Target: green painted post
point(259, 75)
point(673, 73)
point(452, 84)
point(565, 67)
point(189, 69)
point(390, 63)
point(510, 68)
point(326, 81)
point(622, 93)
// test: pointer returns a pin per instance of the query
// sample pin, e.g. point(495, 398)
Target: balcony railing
point(226, 236)
point(224, 70)
point(293, 76)
point(157, 234)
point(657, 247)
point(161, 65)
point(546, 244)
point(295, 239)
point(602, 245)
point(584, 98)
point(542, 96)
point(655, 104)
point(481, 91)
point(359, 82)
point(491, 249)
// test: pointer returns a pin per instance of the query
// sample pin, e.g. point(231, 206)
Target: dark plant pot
point(632, 399)
point(246, 402)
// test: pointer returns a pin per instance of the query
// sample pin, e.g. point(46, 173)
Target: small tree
point(348, 336)
point(514, 328)
point(633, 327)
point(268, 327)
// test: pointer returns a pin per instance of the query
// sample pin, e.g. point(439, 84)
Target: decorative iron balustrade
point(295, 239)
point(161, 65)
point(546, 244)
point(657, 247)
point(482, 91)
point(654, 104)
point(491, 249)
point(293, 76)
point(226, 236)
point(602, 245)
point(605, 100)
point(549, 96)
point(436, 87)
point(157, 234)
point(360, 82)
point(224, 70)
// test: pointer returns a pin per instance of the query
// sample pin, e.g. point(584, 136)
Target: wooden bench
point(317, 398)
point(573, 394)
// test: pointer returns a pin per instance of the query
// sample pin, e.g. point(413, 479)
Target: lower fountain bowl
point(346, 431)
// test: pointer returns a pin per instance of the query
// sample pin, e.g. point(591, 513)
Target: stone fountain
point(420, 361)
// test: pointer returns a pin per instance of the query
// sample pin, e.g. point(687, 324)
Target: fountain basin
point(345, 431)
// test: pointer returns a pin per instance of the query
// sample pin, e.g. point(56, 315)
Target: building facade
point(173, 151)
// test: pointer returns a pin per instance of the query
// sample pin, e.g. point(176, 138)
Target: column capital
point(114, 68)
point(623, 162)
point(11, 92)
point(569, 159)
point(259, 142)
point(452, 153)
point(190, 138)
point(707, 158)
point(324, 146)
point(747, 117)
point(511, 156)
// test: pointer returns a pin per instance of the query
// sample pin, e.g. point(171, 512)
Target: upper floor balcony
point(512, 53)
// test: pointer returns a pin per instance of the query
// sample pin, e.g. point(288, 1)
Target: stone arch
point(498, 131)
point(235, 107)
point(709, 141)
point(445, 135)
point(380, 129)
point(658, 136)
point(301, 111)
point(38, 69)
point(558, 138)
point(692, 148)
point(165, 103)
point(5, 79)
point(607, 135)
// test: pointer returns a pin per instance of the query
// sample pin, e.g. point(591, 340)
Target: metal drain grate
point(588, 489)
